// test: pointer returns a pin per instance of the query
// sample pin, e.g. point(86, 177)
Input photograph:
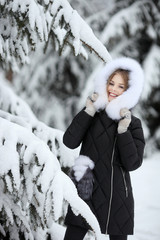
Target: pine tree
point(33, 188)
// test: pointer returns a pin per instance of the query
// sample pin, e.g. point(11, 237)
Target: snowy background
point(147, 198)
point(50, 53)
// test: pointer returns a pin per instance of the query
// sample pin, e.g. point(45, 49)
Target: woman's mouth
point(113, 94)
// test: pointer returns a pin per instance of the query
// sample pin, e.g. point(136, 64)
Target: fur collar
point(130, 97)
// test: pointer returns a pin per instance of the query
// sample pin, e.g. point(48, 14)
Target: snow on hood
point(130, 97)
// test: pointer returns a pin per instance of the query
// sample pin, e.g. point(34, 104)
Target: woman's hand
point(90, 108)
point(125, 121)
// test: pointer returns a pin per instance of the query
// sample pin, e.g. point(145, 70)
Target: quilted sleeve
point(131, 146)
point(77, 129)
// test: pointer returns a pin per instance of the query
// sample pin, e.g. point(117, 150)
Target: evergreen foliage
point(34, 191)
point(24, 24)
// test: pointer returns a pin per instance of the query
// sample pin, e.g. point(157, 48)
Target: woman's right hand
point(90, 108)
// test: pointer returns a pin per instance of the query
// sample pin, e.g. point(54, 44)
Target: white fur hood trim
point(130, 97)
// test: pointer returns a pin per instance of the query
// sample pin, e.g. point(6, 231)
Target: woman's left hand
point(125, 121)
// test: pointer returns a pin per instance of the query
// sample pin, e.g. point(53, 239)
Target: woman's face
point(115, 87)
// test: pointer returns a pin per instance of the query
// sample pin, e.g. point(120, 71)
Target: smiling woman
point(112, 140)
point(117, 84)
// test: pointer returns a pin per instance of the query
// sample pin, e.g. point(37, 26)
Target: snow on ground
point(146, 188)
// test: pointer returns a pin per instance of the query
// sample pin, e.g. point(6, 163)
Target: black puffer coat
point(114, 154)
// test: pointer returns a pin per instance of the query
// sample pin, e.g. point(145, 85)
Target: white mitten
point(90, 108)
point(125, 121)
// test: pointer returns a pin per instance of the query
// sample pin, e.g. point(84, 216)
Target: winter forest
point(50, 53)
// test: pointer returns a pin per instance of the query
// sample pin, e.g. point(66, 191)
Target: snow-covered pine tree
point(33, 187)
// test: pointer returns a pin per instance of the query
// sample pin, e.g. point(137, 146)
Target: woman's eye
point(111, 84)
point(122, 87)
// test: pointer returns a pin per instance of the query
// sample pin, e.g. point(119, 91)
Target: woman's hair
point(123, 73)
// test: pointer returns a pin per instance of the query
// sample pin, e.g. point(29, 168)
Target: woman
point(112, 146)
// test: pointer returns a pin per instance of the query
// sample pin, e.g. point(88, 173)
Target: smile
point(113, 95)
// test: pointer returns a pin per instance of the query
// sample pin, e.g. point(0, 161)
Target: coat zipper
point(124, 180)
point(112, 172)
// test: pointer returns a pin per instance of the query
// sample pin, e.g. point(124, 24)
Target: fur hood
point(130, 97)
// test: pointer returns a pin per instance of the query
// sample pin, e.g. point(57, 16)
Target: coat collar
point(107, 121)
point(130, 97)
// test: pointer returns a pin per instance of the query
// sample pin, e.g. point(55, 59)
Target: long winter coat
point(114, 155)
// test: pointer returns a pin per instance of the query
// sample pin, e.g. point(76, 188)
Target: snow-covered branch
point(25, 23)
point(80, 31)
point(32, 179)
point(15, 110)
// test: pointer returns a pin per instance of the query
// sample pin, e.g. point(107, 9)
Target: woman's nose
point(113, 88)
